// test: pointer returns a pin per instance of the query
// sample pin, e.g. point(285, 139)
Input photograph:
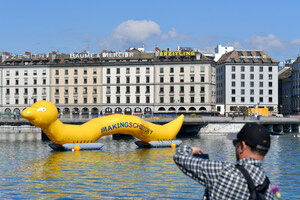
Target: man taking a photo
point(223, 180)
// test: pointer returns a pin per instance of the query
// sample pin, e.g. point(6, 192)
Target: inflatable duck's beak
point(28, 114)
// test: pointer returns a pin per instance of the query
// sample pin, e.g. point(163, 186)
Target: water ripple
point(30, 170)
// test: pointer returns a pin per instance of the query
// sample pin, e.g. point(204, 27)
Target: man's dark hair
point(259, 151)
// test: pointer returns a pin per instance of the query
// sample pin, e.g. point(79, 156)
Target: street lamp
point(258, 110)
point(176, 101)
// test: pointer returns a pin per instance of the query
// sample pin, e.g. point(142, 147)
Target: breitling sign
point(177, 53)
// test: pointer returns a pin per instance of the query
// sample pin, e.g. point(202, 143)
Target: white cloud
point(296, 42)
point(236, 44)
point(134, 32)
point(173, 34)
point(266, 42)
point(131, 32)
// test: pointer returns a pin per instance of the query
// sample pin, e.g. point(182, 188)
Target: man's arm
point(202, 170)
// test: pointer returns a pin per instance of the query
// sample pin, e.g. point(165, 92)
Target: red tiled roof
point(246, 57)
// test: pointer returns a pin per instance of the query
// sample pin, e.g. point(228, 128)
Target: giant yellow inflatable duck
point(44, 114)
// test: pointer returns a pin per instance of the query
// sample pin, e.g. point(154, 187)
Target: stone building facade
point(85, 85)
point(246, 79)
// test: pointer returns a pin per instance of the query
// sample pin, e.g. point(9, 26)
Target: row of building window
point(137, 90)
point(261, 84)
point(34, 73)
point(261, 69)
point(242, 100)
point(233, 76)
point(270, 92)
point(108, 90)
point(137, 79)
point(251, 99)
point(85, 80)
point(261, 76)
point(242, 84)
point(85, 72)
point(137, 70)
point(181, 77)
point(25, 91)
point(161, 100)
point(181, 89)
point(251, 92)
point(26, 100)
point(128, 99)
point(35, 81)
point(108, 71)
point(192, 69)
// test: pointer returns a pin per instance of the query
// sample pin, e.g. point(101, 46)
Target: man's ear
point(243, 146)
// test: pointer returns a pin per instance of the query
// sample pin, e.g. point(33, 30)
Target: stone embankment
point(221, 128)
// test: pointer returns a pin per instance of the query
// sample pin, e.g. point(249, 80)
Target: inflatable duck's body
point(44, 114)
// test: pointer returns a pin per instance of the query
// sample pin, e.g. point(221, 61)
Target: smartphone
point(203, 156)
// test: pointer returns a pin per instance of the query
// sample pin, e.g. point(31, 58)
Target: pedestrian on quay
point(224, 180)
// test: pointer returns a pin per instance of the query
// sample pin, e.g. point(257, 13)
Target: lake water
point(31, 170)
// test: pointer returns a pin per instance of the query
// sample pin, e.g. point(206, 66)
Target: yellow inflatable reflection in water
point(44, 114)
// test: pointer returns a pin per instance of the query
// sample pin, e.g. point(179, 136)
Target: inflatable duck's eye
point(42, 109)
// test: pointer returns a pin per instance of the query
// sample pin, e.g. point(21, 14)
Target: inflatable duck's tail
point(175, 125)
point(164, 132)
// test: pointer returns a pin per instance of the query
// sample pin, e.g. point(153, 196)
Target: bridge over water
point(193, 125)
point(210, 124)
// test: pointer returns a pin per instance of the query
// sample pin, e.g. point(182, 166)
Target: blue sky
point(71, 26)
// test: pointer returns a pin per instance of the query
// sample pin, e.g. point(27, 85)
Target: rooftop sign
point(118, 54)
point(177, 53)
point(103, 55)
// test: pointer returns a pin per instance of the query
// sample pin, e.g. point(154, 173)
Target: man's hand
point(197, 150)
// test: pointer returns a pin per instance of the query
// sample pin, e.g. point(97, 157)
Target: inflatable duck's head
point(41, 113)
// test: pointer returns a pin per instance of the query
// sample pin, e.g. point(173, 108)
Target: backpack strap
point(250, 183)
point(255, 192)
